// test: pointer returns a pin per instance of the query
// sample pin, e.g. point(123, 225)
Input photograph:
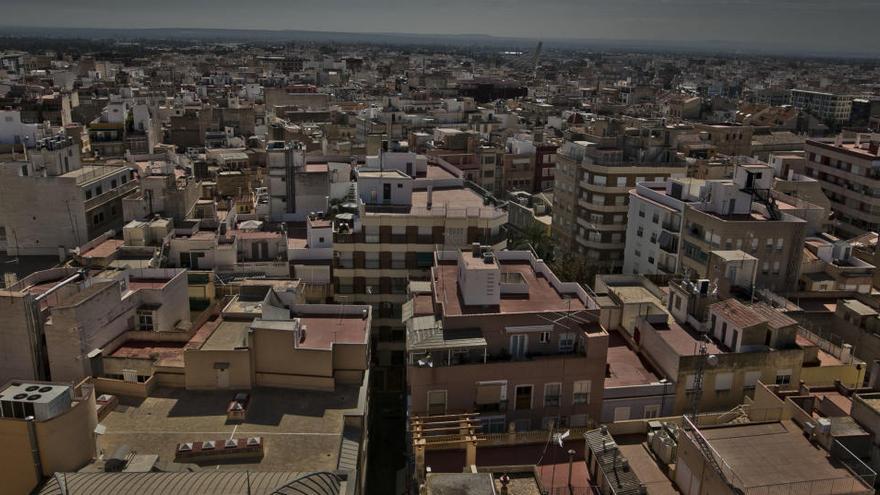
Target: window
point(2, 233)
point(145, 320)
point(436, 402)
point(723, 382)
point(99, 191)
point(552, 393)
point(545, 337)
point(566, 342)
point(689, 383)
point(24, 171)
point(523, 397)
point(640, 231)
point(655, 218)
point(581, 392)
point(652, 411)
point(751, 379)
point(783, 377)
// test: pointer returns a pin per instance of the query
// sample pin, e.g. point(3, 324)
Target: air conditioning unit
point(40, 400)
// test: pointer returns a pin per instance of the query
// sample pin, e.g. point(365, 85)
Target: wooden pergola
point(445, 430)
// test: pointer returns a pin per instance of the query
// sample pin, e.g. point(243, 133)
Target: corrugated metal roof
point(190, 483)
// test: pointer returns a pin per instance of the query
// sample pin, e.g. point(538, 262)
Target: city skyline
point(804, 27)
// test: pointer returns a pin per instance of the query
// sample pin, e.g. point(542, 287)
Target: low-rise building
point(499, 334)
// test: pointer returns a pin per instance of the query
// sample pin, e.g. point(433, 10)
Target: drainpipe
point(35, 449)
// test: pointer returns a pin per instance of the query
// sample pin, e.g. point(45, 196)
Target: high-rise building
point(849, 173)
point(591, 197)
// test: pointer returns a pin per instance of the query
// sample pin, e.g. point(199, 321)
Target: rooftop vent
point(208, 445)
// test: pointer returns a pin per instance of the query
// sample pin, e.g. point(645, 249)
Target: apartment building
point(675, 331)
point(164, 189)
point(390, 239)
point(825, 106)
point(591, 195)
point(236, 249)
point(59, 319)
point(47, 427)
point(831, 266)
point(742, 214)
point(496, 332)
point(727, 139)
point(86, 199)
point(653, 229)
point(848, 174)
point(297, 187)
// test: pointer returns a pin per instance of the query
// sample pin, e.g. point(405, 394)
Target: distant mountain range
point(744, 47)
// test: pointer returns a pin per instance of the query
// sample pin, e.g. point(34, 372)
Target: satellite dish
point(712, 360)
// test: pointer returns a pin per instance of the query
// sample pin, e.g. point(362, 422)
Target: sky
point(827, 25)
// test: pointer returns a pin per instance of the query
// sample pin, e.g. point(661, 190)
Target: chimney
point(430, 195)
point(475, 249)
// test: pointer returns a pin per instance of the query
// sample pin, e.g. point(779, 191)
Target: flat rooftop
point(302, 429)
point(541, 296)
point(89, 173)
point(627, 368)
point(227, 336)
point(168, 354)
point(636, 294)
point(456, 197)
point(773, 454)
point(104, 249)
point(682, 339)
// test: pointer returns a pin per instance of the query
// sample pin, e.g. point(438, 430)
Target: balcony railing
point(110, 195)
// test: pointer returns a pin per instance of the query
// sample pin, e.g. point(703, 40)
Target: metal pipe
point(35, 449)
point(59, 285)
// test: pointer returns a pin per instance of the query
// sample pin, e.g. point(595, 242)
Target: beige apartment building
point(748, 342)
point(58, 320)
point(496, 332)
point(849, 173)
point(86, 199)
point(47, 427)
point(591, 196)
point(741, 214)
point(400, 221)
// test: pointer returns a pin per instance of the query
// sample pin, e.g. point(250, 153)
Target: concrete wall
point(124, 388)
point(66, 443)
point(35, 227)
point(77, 330)
point(16, 353)
point(274, 354)
point(201, 373)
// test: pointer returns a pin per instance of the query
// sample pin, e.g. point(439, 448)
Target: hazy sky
point(809, 24)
